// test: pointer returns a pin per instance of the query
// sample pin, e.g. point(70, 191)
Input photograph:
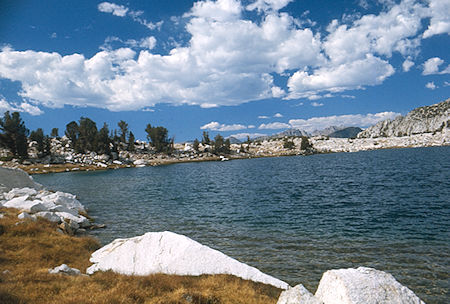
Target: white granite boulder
point(64, 269)
point(63, 199)
point(297, 295)
point(50, 216)
point(17, 192)
point(363, 286)
point(22, 203)
point(171, 253)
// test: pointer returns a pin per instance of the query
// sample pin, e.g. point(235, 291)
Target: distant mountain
point(234, 140)
point(327, 131)
point(426, 119)
point(350, 132)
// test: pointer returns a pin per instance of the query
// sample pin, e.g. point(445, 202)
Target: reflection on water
point(292, 217)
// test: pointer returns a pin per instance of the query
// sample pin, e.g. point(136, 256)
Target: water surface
point(291, 217)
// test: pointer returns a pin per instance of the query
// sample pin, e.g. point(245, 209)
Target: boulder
point(24, 216)
point(52, 217)
point(140, 162)
point(79, 219)
point(297, 295)
point(22, 203)
point(17, 178)
point(64, 269)
point(363, 285)
point(171, 253)
point(16, 192)
point(64, 199)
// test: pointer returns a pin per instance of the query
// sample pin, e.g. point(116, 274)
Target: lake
point(291, 217)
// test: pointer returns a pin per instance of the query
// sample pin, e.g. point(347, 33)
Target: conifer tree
point(14, 134)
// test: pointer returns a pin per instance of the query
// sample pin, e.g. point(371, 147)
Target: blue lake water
point(291, 217)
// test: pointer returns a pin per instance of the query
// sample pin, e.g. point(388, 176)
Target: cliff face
point(427, 119)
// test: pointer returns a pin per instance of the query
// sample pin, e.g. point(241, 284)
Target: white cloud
point(263, 117)
point(359, 120)
point(431, 66)
point(274, 126)
point(352, 75)
point(440, 18)
point(220, 10)
point(242, 136)
point(446, 83)
point(122, 11)
point(23, 107)
point(268, 5)
point(215, 126)
point(316, 104)
point(228, 60)
point(278, 115)
point(430, 85)
point(116, 10)
point(407, 65)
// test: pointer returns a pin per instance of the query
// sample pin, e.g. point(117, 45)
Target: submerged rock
point(363, 286)
point(297, 295)
point(171, 253)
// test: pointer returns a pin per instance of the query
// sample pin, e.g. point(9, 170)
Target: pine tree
point(103, 140)
point(123, 126)
point(14, 134)
point(131, 141)
point(158, 136)
point(196, 145)
point(54, 133)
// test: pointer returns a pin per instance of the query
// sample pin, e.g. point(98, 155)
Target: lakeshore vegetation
point(28, 249)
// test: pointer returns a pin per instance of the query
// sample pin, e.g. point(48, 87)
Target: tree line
point(84, 137)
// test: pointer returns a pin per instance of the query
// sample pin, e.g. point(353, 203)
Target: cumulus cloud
point(431, 66)
point(440, 18)
point(229, 60)
point(215, 126)
point(430, 85)
point(316, 104)
point(268, 5)
point(263, 117)
point(242, 136)
point(22, 107)
point(359, 120)
point(407, 65)
point(278, 115)
point(112, 8)
point(350, 75)
point(274, 126)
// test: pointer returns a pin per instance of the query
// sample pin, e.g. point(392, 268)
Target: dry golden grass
point(28, 249)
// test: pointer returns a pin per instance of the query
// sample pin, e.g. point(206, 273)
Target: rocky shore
point(174, 254)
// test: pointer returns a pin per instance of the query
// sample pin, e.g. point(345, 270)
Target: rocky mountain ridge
point(427, 119)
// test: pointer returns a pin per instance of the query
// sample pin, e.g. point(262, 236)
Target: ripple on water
point(292, 217)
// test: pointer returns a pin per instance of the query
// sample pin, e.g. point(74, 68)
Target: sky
point(238, 68)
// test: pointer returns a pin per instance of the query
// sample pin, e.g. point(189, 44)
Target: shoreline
point(33, 169)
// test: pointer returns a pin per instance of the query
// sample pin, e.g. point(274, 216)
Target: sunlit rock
point(297, 295)
point(171, 253)
point(64, 269)
point(363, 285)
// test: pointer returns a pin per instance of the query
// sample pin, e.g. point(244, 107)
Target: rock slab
point(171, 253)
point(363, 286)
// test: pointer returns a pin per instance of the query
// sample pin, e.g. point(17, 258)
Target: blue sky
point(232, 67)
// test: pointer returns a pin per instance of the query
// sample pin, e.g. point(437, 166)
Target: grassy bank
point(29, 249)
